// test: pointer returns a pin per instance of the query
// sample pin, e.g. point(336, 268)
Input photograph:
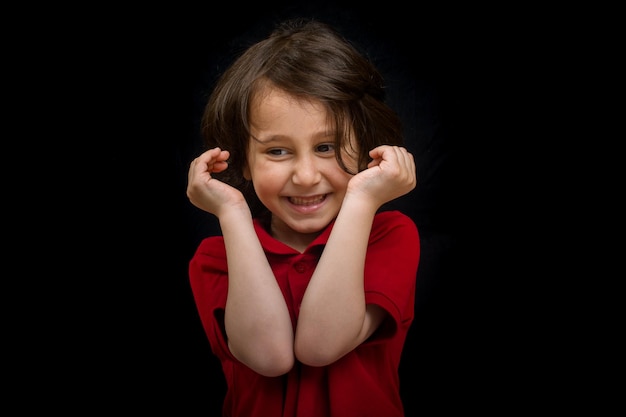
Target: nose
point(306, 171)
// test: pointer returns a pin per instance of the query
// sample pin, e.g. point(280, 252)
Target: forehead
point(272, 108)
point(268, 96)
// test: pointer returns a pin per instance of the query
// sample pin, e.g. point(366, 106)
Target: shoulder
point(393, 221)
point(211, 247)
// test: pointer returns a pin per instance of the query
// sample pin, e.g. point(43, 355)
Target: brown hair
point(307, 59)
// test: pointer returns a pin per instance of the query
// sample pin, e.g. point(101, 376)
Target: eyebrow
point(272, 138)
point(275, 138)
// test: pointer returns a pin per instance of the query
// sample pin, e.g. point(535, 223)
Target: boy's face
point(292, 165)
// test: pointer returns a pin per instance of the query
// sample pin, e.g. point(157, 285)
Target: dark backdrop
point(144, 334)
point(441, 348)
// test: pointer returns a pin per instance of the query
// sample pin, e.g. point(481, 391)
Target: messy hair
point(310, 60)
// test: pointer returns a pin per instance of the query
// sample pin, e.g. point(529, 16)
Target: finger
point(409, 166)
point(385, 153)
point(212, 160)
point(402, 159)
point(377, 152)
point(407, 159)
point(377, 155)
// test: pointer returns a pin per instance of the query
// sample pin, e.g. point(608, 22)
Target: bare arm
point(257, 321)
point(334, 318)
point(259, 329)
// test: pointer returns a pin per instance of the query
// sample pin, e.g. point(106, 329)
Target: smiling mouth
point(307, 201)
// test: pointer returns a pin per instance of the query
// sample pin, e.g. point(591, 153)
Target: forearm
point(258, 325)
point(332, 319)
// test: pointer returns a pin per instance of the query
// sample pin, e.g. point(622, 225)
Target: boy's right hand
point(206, 192)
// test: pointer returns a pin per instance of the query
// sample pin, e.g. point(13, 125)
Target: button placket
point(300, 267)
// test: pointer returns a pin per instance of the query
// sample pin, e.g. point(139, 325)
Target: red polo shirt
point(362, 383)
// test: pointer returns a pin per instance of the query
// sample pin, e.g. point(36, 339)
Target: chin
point(309, 227)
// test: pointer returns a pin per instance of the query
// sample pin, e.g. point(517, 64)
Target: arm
point(258, 326)
point(334, 318)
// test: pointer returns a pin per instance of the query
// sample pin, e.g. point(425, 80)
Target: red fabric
point(365, 381)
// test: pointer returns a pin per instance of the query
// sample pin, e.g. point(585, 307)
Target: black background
point(131, 335)
point(452, 357)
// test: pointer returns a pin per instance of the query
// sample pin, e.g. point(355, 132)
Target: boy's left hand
point(389, 175)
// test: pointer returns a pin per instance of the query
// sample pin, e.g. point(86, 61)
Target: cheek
point(341, 180)
point(267, 178)
point(337, 176)
point(267, 190)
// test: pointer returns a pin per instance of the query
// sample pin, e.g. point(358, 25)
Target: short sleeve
point(208, 275)
point(391, 265)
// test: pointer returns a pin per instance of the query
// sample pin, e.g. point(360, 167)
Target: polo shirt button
point(300, 267)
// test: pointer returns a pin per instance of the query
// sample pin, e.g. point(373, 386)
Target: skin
point(292, 165)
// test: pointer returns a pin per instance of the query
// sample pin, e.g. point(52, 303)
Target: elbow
point(313, 354)
point(267, 362)
point(274, 367)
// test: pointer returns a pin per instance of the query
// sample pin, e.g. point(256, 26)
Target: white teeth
point(307, 201)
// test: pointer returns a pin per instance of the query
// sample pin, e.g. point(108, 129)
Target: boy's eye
point(276, 152)
point(326, 147)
